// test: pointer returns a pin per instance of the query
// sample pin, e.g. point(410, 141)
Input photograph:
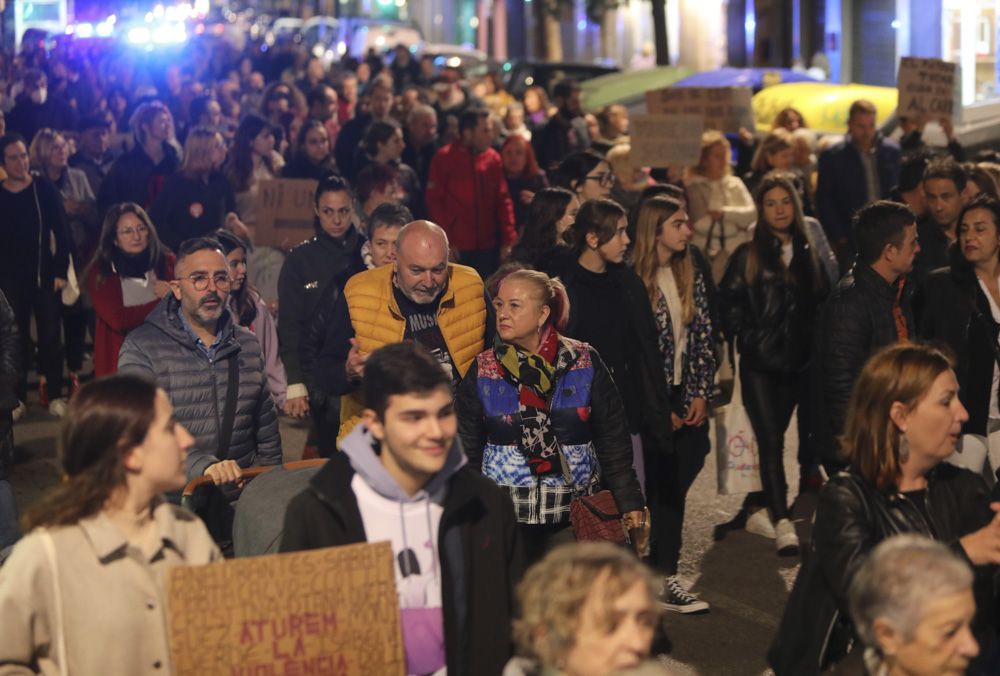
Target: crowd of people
point(498, 318)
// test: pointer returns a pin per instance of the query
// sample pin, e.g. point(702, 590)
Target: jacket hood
point(359, 447)
point(166, 317)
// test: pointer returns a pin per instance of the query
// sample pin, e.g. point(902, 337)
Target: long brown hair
point(901, 373)
point(103, 258)
point(763, 251)
point(652, 215)
point(106, 419)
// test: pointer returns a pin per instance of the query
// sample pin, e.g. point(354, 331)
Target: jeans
point(770, 400)
point(668, 480)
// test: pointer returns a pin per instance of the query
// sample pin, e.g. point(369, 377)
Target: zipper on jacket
point(925, 520)
point(215, 403)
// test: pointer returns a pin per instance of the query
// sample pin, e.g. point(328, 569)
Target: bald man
point(421, 297)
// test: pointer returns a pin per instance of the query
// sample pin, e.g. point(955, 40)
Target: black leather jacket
point(852, 517)
point(951, 307)
point(771, 319)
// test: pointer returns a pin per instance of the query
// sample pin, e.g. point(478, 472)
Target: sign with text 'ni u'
point(660, 141)
point(328, 611)
point(723, 108)
point(926, 88)
point(285, 212)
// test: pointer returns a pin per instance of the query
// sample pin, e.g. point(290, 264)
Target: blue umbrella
point(755, 78)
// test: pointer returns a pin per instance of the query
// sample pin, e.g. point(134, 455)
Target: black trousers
point(668, 480)
point(44, 305)
point(326, 418)
point(540, 539)
point(75, 322)
point(770, 400)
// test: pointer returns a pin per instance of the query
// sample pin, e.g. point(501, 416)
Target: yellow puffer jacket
point(461, 316)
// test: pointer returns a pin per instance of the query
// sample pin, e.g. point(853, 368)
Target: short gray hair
point(900, 576)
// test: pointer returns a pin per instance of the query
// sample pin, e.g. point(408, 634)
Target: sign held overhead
point(726, 109)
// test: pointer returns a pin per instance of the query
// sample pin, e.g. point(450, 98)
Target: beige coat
point(114, 618)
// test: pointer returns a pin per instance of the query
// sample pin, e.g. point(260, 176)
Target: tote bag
point(737, 458)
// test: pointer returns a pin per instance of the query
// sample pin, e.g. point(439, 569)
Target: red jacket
point(467, 196)
point(114, 320)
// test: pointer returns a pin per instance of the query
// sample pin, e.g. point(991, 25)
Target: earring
point(904, 448)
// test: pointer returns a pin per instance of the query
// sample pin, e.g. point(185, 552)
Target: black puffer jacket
point(772, 319)
point(954, 309)
point(304, 276)
point(851, 519)
point(163, 350)
point(857, 321)
point(10, 356)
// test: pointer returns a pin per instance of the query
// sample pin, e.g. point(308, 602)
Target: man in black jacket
point(566, 131)
point(870, 309)
point(944, 182)
point(402, 477)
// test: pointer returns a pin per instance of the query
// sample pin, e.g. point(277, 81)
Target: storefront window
point(970, 39)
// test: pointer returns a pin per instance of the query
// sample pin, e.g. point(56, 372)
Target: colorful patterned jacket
point(587, 419)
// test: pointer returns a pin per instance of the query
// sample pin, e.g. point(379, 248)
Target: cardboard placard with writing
point(328, 611)
point(725, 109)
point(926, 88)
point(285, 213)
point(660, 141)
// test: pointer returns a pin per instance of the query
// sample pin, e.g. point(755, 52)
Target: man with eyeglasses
point(211, 369)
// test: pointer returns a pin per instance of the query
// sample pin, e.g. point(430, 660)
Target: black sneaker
point(678, 599)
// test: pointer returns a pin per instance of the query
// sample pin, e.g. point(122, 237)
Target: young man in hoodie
point(403, 477)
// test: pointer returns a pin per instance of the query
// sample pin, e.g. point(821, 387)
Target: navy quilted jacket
point(163, 350)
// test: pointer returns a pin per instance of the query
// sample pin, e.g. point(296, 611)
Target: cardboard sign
point(659, 140)
point(285, 212)
point(723, 108)
point(328, 611)
point(926, 88)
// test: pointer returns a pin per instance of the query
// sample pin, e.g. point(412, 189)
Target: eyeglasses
point(604, 178)
point(141, 231)
point(199, 280)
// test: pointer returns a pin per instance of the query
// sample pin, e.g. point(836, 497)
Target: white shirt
point(668, 287)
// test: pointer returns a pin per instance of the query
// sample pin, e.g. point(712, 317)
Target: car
point(284, 29)
point(472, 62)
point(518, 75)
point(320, 30)
point(755, 78)
point(365, 34)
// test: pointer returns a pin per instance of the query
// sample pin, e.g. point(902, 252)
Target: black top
point(603, 322)
point(20, 239)
point(191, 207)
point(422, 327)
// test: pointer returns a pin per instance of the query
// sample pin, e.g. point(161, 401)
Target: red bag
point(597, 517)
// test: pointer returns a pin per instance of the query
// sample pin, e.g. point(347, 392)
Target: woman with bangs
point(197, 200)
point(678, 282)
point(772, 291)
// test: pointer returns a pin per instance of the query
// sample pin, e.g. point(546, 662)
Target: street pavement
point(740, 575)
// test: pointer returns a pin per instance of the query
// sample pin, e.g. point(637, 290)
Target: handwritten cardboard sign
point(328, 611)
point(285, 212)
point(660, 140)
point(723, 108)
point(926, 88)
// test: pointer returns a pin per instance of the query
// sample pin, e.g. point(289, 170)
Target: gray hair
point(420, 110)
point(900, 576)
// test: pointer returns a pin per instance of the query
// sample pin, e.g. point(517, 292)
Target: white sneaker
point(18, 412)
point(58, 407)
point(759, 523)
point(787, 541)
